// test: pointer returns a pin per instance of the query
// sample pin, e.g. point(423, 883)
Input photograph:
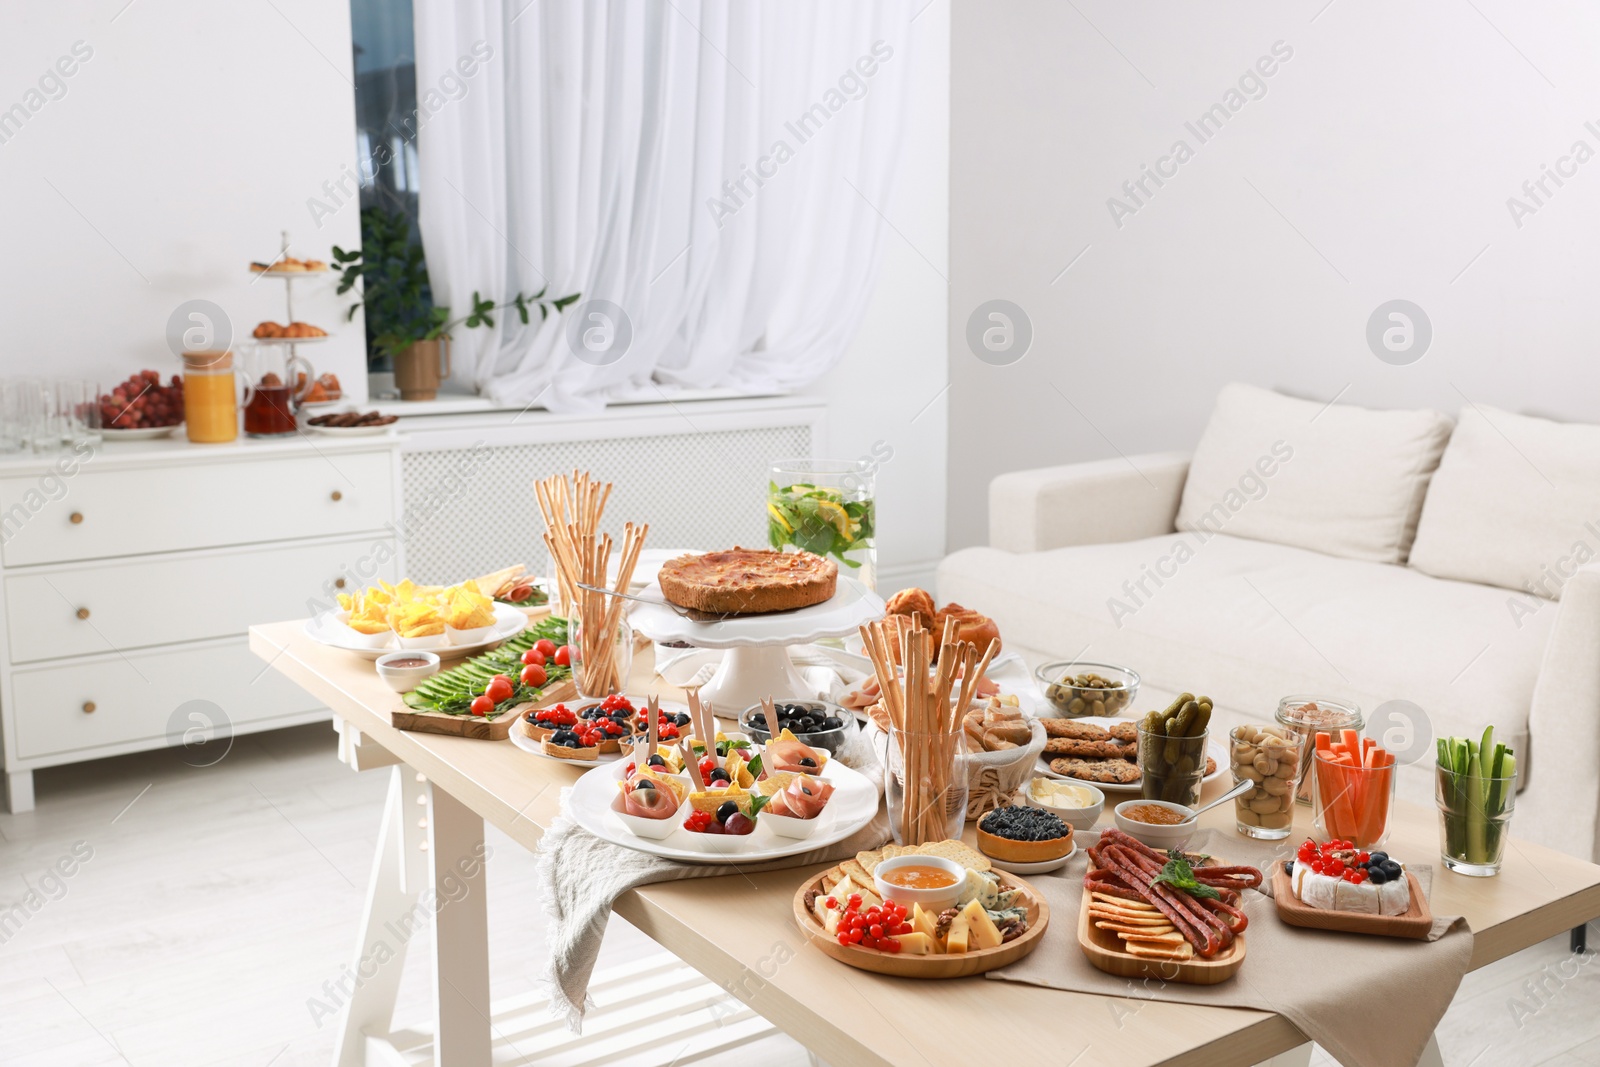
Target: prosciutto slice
point(788, 756)
point(652, 802)
point(803, 798)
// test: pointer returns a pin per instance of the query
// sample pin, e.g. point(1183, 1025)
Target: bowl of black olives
point(815, 722)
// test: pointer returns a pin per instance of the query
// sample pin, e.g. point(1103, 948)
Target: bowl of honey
point(932, 881)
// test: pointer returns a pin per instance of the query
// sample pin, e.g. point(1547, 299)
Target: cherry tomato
point(563, 656)
point(482, 705)
point(534, 675)
point(545, 646)
point(498, 689)
point(534, 657)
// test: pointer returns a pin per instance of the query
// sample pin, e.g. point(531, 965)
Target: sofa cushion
point(1515, 503)
point(1337, 479)
point(1247, 623)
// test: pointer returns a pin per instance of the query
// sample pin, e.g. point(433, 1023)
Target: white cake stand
point(756, 662)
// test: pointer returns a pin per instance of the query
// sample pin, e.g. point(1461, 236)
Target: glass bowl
point(1057, 681)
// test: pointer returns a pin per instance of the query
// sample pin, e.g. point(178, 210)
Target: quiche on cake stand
point(755, 662)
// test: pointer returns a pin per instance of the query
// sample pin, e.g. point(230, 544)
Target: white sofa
point(1105, 561)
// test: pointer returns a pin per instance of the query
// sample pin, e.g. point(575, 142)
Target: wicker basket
point(993, 778)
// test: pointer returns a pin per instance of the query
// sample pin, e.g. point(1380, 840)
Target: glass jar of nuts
point(1267, 756)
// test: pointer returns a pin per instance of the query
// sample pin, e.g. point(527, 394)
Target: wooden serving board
point(1104, 951)
point(495, 729)
point(1416, 923)
point(903, 965)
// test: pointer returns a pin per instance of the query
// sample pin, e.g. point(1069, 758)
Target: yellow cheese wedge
point(917, 944)
point(983, 933)
point(869, 899)
point(923, 922)
point(956, 939)
point(828, 917)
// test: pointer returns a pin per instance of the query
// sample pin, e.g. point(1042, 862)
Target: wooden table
point(843, 1015)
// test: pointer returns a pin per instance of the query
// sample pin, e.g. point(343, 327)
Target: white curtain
point(716, 170)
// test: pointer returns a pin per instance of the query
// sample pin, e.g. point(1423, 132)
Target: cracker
point(1136, 933)
point(1082, 731)
point(954, 851)
point(1184, 951)
point(1124, 903)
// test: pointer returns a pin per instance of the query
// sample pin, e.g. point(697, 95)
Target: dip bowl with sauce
point(1160, 824)
point(403, 671)
point(932, 881)
point(1078, 803)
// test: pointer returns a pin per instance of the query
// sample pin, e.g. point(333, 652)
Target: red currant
point(831, 902)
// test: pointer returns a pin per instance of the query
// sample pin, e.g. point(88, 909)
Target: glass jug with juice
point(278, 381)
point(210, 406)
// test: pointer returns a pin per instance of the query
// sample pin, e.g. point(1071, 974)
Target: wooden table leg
point(368, 987)
point(460, 932)
point(1300, 1056)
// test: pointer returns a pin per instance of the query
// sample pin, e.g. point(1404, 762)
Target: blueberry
point(726, 811)
point(1288, 867)
point(1377, 876)
point(682, 719)
point(643, 783)
point(1379, 857)
point(1392, 869)
point(562, 737)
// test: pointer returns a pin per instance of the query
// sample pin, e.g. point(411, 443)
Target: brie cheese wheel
point(1297, 880)
point(1395, 897)
point(1319, 890)
point(1361, 899)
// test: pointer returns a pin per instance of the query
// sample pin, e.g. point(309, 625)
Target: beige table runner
point(1369, 1001)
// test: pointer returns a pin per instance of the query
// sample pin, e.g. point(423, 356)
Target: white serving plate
point(853, 804)
point(1214, 749)
point(353, 431)
point(326, 629)
point(851, 605)
point(141, 433)
point(1041, 867)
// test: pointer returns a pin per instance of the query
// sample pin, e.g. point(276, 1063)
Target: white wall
point(890, 389)
point(193, 134)
point(1377, 165)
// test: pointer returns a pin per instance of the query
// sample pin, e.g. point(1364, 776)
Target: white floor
point(215, 903)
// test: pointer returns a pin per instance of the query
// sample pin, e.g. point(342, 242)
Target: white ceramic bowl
point(431, 641)
point(405, 679)
point(651, 829)
point(934, 900)
point(1153, 834)
point(476, 635)
point(1077, 818)
point(790, 827)
point(723, 843)
point(356, 639)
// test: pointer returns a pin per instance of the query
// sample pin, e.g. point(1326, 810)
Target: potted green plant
point(403, 323)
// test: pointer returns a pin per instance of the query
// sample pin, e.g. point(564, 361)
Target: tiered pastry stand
point(755, 661)
point(288, 299)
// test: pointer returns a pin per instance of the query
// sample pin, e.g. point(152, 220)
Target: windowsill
point(447, 403)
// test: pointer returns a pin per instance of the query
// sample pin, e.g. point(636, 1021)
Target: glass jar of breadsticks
point(925, 772)
point(597, 626)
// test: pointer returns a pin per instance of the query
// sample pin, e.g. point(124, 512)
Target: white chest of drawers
point(130, 573)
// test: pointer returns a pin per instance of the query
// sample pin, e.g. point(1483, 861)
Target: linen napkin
point(1369, 1001)
point(581, 876)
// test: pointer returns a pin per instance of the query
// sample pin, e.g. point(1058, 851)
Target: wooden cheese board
point(1416, 923)
point(954, 965)
point(480, 729)
point(1103, 950)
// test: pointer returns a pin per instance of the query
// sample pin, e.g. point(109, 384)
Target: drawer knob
point(88, 707)
point(336, 495)
point(83, 613)
point(76, 517)
point(338, 583)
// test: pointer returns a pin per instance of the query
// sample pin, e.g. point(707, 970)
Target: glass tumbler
point(1474, 820)
point(1351, 803)
point(925, 784)
point(1303, 715)
point(1172, 768)
point(602, 654)
point(826, 507)
point(1269, 757)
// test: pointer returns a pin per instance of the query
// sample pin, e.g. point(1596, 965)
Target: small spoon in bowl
point(1237, 791)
